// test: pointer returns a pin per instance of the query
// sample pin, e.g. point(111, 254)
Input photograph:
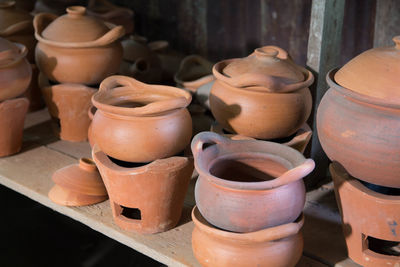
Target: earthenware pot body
point(76, 48)
point(248, 185)
point(264, 96)
point(362, 133)
point(15, 71)
point(136, 122)
point(279, 246)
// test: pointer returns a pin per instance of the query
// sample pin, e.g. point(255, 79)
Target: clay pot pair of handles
point(160, 98)
point(290, 176)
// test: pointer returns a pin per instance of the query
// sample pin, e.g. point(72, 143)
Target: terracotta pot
point(68, 103)
point(299, 141)
point(194, 72)
point(66, 197)
point(366, 214)
point(33, 92)
point(16, 26)
point(149, 198)
point(139, 61)
point(280, 246)
point(76, 48)
point(248, 185)
point(106, 11)
point(12, 116)
point(361, 133)
point(91, 112)
point(15, 71)
point(151, 120)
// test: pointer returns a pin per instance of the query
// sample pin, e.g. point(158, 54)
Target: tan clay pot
point(149, 198)
point(12, 116)
point(194, 71)
point(264, 96)
point(76, 48)
point(68, 103)
point(366, 213)
point(136, 122)
point(248, 185)
point(280, 246)
point(106, 11)
point(16, 26)
point(362, 133)
point(33, 92)
point(15, 71)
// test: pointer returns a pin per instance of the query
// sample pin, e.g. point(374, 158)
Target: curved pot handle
point(40, 22)
point(206, 138)
point(111, 36)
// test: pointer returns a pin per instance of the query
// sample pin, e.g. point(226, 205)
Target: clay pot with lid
point(358, 118)
point(280, 246)
point(136, 122)
point(248, 185)
point(264, 96)
point(15, 71)
point(76, 48)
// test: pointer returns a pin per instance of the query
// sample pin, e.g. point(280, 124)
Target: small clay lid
point(375, 73)
point(82, 178)
point(266, 61)
point(9, 15)
point(75, 26)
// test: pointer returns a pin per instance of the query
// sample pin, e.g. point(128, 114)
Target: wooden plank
point(387, 21)
point(323, 55)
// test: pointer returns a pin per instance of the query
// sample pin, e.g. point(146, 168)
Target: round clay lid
point(375, 73)
point(9, 15)
point(75, 26)
point(266, 61)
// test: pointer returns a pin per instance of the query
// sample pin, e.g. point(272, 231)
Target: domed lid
point(75, 26)
point(375, 73)
point(10, 16)
point(10, 52)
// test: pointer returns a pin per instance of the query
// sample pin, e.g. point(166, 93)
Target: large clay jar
point(145, 198)
point(15, 71)
point(358, 119)
point(106, 11)
point(368, 217)
point(264, 96)
point(280, 246)
point(68, 104)
point(136, 122)
point(248, 185)
point(12, 117)
point(16, 26)
point(76, 48)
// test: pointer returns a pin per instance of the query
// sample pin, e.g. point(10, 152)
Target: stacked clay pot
point(137, 132)
point(15, 76)
point(75, 52)
point(249, 193)
point(358, 123)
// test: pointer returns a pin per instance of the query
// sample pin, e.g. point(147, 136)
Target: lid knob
point(267, 52)
point(76, 11)
point(396, 39)
point(87, 164)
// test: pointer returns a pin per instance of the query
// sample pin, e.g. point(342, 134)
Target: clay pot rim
point(276, 87)
point(17, 57)
point(355, 95)
point(260, 236)
point(298, 169)
point(121, 85)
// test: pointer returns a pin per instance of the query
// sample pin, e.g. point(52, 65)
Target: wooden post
point(323, 54)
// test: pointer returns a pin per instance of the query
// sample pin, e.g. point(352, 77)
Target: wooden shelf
point(29, 173)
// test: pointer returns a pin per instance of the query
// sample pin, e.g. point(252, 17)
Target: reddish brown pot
point(248, 185)
point(136, 122)
point(12, 116)
point(280, 246)
point(91, 112)
point(153, 192)
point(362, 133)
point(366, 213)
point(33, 93)
point(68, 103)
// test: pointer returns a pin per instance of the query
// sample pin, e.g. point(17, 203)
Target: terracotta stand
point(149, 198)
point(68, 103)
point(366, 213)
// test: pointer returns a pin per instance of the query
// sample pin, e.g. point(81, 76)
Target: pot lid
point(375, 73)
point(75, 26)
point(10, 15)
point(266, 61)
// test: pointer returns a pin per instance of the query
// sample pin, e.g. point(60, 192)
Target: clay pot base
point(369, 218)
point(66, 197)
point(298, 141)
